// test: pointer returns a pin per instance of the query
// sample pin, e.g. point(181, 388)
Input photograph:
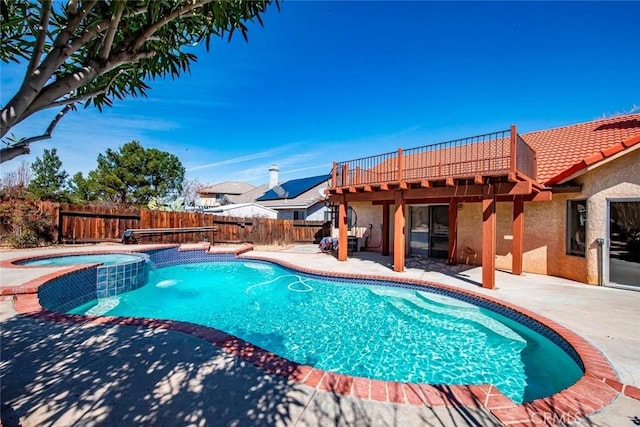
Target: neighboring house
point(298, 198)
point(562, 202)
point(243, 210)
point(223, 193)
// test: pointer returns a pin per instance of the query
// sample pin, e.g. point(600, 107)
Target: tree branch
point(73, 81)
point(113, 28)
point(73, 24)
point(77, 43)
point(13, 151)
point(60, 44)
point(13, 112)
point(72, 7)
point(41, 37)
point(52, 126)
point(86, 96)
point(22, 147)
point(165, 20)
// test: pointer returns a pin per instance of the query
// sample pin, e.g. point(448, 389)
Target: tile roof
point(227, 187)
point(564, 151)
point(249, 196)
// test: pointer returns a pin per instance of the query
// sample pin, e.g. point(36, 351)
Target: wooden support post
point(334, 175)
point(400, 167)
point(342, 230)
point(345, 175)
point(518, 236)
point(489, 238)
point(453, 231)
point(398, 233)
point(385, 228)
point(512, 149)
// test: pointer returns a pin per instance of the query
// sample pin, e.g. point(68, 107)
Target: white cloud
point(235, 160)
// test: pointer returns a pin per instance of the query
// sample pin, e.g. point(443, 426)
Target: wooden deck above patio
point(489, 168)
point(460, 168)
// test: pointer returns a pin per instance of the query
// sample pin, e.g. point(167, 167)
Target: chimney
point(273, 176)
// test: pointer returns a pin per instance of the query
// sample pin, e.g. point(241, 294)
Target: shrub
point(24, 224)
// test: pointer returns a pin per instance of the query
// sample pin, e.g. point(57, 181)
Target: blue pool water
point(106, 259)
point(380, 332)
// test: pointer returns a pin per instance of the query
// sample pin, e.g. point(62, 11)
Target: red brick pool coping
point(598, 387)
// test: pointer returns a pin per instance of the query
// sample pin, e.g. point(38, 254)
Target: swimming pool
point(378, 331)
point(105, 259)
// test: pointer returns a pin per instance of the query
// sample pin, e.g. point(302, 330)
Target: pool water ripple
point(377, 332)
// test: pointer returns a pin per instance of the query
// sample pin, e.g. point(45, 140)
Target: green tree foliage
point(91, 52)
point(82, 190)
point(133, 175)
point(49, 180)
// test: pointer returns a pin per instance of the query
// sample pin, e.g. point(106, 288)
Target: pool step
point(235, 249)
point(218, 248)
point(194, 246)
point(419, 306)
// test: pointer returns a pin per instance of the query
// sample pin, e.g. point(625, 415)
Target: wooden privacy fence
point(92, 224)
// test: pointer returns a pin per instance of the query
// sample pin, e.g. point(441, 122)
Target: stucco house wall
point(315, 212)
point(368, 214)
point(545, 224)
point(616, 180)
point(544, 238)
point(208, 201)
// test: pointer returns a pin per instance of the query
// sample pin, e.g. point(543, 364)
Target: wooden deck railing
point(496, 153)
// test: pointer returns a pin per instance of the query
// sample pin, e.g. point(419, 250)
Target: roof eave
point(297, 205)
point(596, 160)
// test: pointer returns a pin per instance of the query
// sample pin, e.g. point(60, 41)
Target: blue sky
point(325, 81)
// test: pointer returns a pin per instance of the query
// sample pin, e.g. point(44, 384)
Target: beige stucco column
point(518, 236)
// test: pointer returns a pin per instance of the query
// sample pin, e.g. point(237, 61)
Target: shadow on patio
point(422, 264)
point(72, 374)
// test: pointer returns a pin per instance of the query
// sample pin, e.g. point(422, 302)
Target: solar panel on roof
point(292, 189)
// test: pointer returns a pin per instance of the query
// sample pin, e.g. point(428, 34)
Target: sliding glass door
point(624, 244)
point(419, 230)
point(429, 231)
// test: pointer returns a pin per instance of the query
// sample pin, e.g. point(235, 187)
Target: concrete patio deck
point(91, 374)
